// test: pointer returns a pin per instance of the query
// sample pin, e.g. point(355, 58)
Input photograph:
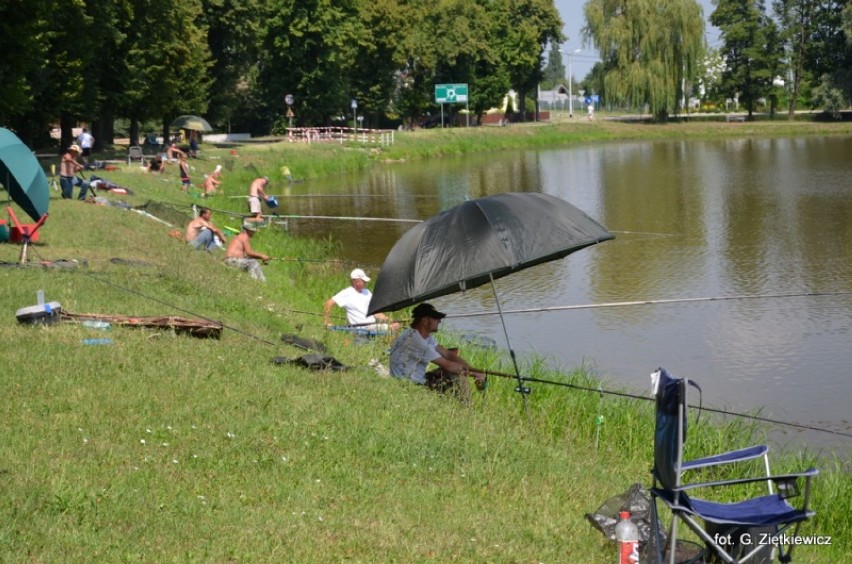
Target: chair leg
point(656, 536)
point(671, 542)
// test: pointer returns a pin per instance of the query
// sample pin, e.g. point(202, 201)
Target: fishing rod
point(600, 390)
point(288, 259)
point(341, 196)
point(345, 218)
point(656, 302)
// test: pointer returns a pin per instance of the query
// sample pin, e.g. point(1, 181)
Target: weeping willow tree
point(649, 49)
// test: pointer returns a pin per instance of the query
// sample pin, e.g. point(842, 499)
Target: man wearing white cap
point(355, 299)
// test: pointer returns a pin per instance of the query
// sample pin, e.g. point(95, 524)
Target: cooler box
point(46, 314)
point(17, 233)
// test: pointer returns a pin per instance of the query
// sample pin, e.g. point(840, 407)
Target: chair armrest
point(809, 473)
point(726, 457)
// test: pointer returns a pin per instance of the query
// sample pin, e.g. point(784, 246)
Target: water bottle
point(97, 341)
point(627, 537)
point(95, 324)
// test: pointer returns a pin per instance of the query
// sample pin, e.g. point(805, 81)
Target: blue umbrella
point(22, 175)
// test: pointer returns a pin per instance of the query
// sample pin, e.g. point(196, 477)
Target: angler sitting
point(240, 254)
point(201, 233)
point(355, 299)
point(415, 348)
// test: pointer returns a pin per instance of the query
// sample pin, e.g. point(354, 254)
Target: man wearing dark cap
point(415, 348)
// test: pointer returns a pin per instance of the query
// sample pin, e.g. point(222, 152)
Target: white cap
point(359, 274)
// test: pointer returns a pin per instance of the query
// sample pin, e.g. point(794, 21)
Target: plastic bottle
point(97, 341)
point(95, 324)
point(627, 537)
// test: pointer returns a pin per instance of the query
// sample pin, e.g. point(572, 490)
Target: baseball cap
point(427, 310)
point(359, 274)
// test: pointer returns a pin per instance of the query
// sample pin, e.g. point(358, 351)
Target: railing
point(383, 137)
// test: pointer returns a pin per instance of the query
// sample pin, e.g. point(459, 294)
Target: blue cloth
point(205, 241)
point(67, 183)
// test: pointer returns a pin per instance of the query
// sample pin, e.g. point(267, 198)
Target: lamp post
point(570, 80)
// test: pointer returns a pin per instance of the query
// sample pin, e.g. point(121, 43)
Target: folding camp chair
point(134, 152)
point(725, 524)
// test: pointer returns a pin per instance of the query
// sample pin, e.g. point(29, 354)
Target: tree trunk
point(66, 135)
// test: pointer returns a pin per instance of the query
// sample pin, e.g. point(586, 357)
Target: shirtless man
point(257, 190)
point(68, 168)
point(211, 182)
point(241, 255)
point(201, 233)
point(173, 152)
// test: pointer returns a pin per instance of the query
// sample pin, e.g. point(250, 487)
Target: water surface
point(694, 219)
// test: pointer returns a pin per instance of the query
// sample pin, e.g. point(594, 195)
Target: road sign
point(450, 93)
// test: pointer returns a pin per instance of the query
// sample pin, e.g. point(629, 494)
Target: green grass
point(167, 448)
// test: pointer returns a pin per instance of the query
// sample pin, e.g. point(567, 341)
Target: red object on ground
point(19, 231)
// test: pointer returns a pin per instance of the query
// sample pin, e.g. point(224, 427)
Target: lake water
point(696, 219)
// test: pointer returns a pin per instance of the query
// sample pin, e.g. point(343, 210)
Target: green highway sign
point(450, 93)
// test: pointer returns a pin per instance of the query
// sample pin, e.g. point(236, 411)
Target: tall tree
point(751, 48)
point(168, 62)
point(525, 29)
point(554, 71)
point(796, 18)
point(23, 31)
point(649, 49)
point(235, 32)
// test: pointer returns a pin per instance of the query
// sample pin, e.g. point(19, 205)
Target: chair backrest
point(670, 429)
point(135, 152)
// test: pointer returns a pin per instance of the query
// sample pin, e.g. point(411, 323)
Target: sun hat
point(427, 310)
point(74, 147)
point(250, 226)
point(359, 274)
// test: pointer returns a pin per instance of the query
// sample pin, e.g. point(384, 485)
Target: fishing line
point(655, 302)
point(601, 391)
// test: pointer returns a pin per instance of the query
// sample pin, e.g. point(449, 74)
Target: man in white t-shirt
point(413, 351)
point(87, 143)
point(356, 300)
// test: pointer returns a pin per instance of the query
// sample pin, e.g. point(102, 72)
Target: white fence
point(383, 137)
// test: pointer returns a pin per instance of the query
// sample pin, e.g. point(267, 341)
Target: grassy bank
point(161, 447)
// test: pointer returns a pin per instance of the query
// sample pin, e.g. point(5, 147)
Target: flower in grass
point(142, 441)
point(283, 459)
point(174, 460)
point(85, 441)
point(165, 444)
point(320, 518)
point(231, 435)
point(148, 431)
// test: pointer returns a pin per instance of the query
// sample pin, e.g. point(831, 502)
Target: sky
point(571, 12)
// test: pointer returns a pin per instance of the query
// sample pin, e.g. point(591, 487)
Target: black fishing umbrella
point(478, 242)
point(22, 175)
